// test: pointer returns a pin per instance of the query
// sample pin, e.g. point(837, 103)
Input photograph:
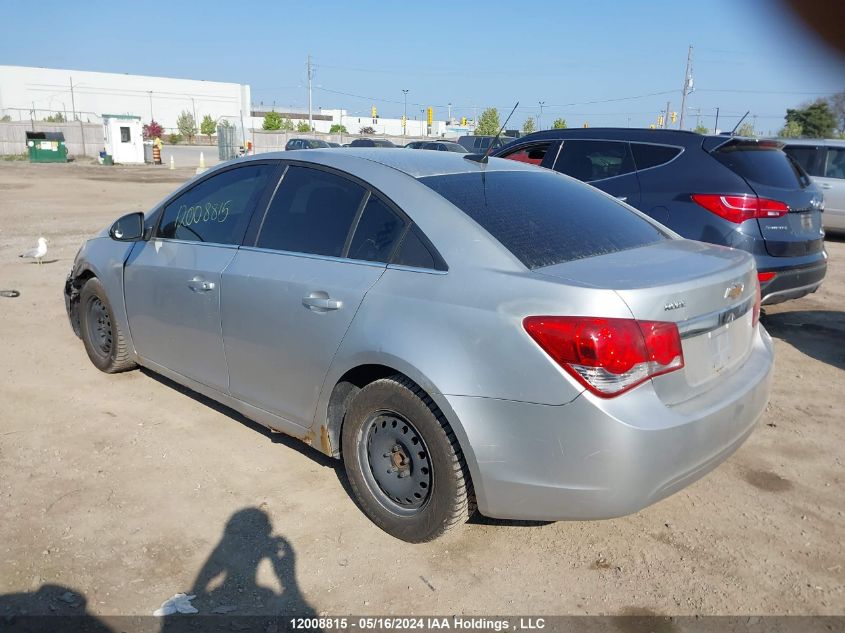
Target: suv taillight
point(738, 209)
point(608, 356)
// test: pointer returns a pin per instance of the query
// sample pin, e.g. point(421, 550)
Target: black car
point(480, 144)
point(371, 142)
point(305, 143)
point(735, 191)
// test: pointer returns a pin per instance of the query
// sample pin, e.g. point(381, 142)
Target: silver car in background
point(824, 162)
point(461, 334)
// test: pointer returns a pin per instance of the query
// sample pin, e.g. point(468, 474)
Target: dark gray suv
point(735, 191)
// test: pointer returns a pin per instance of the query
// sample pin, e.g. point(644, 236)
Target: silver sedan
point(462, 334)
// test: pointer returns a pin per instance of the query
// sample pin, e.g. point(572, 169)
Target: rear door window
point(544, 219)
point(807, 157)
point(312, 212)
point(647, 155)
point(532, 154)
point(377, 232)
point(594, 160)
point(761, 163)
point(835, 167)
point(218, 209)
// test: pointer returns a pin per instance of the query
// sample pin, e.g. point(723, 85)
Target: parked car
point(729, 190)
point(444, 146)
point(333, 144)
point(480, 144)
point(460, 334)
point(824, 161)
point(305, 143)
point(415, 144)
point(371, 142)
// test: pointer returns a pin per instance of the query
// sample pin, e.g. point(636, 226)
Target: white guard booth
point(123, 138)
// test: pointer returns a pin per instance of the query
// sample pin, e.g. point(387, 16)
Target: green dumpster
point(46, 147)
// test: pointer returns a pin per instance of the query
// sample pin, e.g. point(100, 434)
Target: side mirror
point(129, 228)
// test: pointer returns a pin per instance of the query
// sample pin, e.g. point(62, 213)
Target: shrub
point(174, 139)
point(152, 130)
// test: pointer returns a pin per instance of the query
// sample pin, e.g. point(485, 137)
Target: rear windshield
point(762, 164)
point(544, 218)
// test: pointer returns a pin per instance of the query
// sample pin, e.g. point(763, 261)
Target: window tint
point(376, 233)
point(646, 155)
point(533, 154)
point(761, 163)
point(594, 160)
point(835, 167)
point(806, 157)
point(218, 209)
point(544, 219)
point(415, 252)
point(311, 212)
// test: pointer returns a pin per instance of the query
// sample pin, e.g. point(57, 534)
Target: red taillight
point(764, 277)
point(608, 356)
point(738, 209)
point(758, 298)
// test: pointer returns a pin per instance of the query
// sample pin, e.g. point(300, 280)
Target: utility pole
point(716, 125)
point(32, 117)
point(449, 116)
point(687, 89)
point(666, 118)
point(72, 101)
point(754, 123)
point(152, 118)
point(540, 118)
point(424, 122)
point(405, 116)
point(310, 74)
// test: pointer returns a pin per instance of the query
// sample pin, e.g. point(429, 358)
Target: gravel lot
point(126, 489)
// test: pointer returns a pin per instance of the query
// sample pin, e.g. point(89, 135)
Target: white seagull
point(38, 252)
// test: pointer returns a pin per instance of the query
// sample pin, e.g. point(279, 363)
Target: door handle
point(197, 284)
point(321, 301)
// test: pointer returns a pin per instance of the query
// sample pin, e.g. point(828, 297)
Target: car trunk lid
point(707, 290)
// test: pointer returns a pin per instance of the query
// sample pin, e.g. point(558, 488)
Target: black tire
point(104, 341)
point(425, 489)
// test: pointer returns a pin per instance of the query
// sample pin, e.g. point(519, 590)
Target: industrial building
point(28, 93)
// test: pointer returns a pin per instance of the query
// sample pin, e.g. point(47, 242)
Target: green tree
point(792, 129)
point(208, 126)
point(303, 126)
point(836, 103)
point(559, 124)
point(56, 118)
point(746, 129)
point(337, 128)
point(701, 129)
point(6, 118)
point(529, 125)
point(187, 125)
point(174, 139)
point(816, 120)
point(287, 125)
point(272, 121)
point(488, 123)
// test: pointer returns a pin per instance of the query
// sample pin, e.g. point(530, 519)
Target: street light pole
point(152, 118)
point(405, 116)
point(540, 118)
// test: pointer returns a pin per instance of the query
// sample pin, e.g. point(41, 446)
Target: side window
point(415, 252)
point(311, 212)
point(376, 233)
point(646, 155)
point(835, 167)
point(806, 157)
point(533, 154)
point(218, 209)
point(594, 160)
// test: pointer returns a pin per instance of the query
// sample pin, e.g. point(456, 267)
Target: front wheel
point(404, 463)
point(104, 341)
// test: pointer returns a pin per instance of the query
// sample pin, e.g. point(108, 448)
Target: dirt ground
point(124, 490)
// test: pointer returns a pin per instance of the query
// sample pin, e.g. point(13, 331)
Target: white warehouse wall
point(96, 93)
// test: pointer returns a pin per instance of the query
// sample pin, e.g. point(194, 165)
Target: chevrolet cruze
point(462, 334)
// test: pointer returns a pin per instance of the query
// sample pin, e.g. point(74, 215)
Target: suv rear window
point(542, 218)
point(761, 163)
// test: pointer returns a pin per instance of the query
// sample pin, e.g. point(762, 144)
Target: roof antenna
point(733, 131)
point(484, 159)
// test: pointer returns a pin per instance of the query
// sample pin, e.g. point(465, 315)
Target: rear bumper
point(792, 283)
point(595, 458)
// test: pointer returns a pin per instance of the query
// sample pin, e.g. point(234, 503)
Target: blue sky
point(470, 54)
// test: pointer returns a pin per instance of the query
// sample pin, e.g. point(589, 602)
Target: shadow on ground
point(819, 334)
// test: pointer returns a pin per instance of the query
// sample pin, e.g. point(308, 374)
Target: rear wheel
point(104, 341)
point(403, 461)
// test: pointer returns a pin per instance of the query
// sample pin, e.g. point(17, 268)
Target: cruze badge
point(734, 291)
point(674, 305)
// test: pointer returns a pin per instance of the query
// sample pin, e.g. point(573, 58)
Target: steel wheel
point(99, 326)
point(395, 463)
